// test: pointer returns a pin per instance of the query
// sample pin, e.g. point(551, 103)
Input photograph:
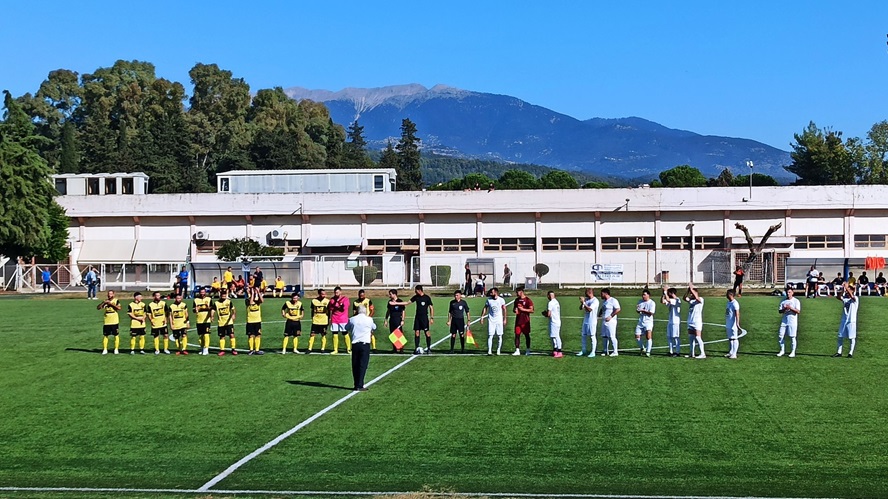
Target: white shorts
point(609, 328)
point(731, 334)
point(588, 329)
point(642, 329)
point(673, 330)
point(554, 330)
point(494, 328)
point(848, 330)
point(338, 328)
point(693, 328)
point(789, 329)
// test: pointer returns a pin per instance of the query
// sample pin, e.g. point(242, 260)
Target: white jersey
point(673, 307)
point(695, 314)
point(790, 317)
point(731, 310)
point(554, 309)
point(589, 316)
point(495, 309)
point(645, 321)
point(849, 310)
point(813, 275)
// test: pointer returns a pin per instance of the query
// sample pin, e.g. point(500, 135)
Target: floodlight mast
point(750, 165)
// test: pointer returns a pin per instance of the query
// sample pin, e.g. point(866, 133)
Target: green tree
point(54, 111)
point(409, 164)
point(31, 222)
point(724, 179)
point(236, 249)
point(876, 148)
point(517, 179)
point(355, 149)
point(596, 185)
point(758, 179)
point(389, 158)
point(69, 160)
point(682, 176)
point(558, 180)
point(820, 157)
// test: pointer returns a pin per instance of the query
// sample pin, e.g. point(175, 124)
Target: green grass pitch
point(813, 426)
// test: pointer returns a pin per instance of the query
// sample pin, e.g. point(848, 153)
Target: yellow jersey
point(203, 306)
point(138, 310)
point(366, 303)
point(111, 316)
point(264, 285)
point(216, 285)
point(319, 315)
point(293, 311)
point(157, 312)
point(228, 277)
point(279, 284)
point(224, 310)
point(254, 313)
point(179, 315)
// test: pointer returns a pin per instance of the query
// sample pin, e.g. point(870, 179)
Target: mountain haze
point(460, 122)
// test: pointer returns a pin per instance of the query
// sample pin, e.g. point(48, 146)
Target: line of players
point(333, 314)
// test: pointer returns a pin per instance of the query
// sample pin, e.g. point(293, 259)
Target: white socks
point(556, 342)
point(700, 343)
point(613, 341)
point(650, 344)
point(490, 344)
point(692, 339)
point(794, 343)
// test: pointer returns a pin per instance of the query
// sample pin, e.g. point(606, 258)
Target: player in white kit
point(732, 324)
point(645, 308)
point(553, 312)
point(495, 310)
point(848, 326)
point(609, 309)
point(791, 307)
point(695, 321)
point(673, 323)
point(589, 306)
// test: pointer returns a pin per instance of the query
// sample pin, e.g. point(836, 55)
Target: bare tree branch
point(754, 250)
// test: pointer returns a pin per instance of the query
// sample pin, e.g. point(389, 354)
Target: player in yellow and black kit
point(363, 301)
point(179, 323)
point(319, 320)
point(292, 311)
point(254, 321)
point(110, 307)
point(136, 313)
point(157, 312)
point(203, 310)
point(225, 315)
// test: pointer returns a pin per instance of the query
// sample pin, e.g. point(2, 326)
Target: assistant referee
point(361, 328)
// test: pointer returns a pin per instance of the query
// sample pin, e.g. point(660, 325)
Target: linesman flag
point(470, 338)
point(397, 338)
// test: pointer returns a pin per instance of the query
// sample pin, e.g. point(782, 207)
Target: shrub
point(365, 274)
point(440, 275)
point(540, 270)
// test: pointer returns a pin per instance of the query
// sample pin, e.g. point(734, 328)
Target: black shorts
point(178, 333)
point(421, 324)
point(319, 329)
point(225, 331)
point(203, 328)
point(111, 329)
point(254, 328)
point(293, 328)
point(158, 331)
point(137, 331)
point(457, 327)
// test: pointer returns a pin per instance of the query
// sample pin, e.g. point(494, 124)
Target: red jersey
point(522, 317)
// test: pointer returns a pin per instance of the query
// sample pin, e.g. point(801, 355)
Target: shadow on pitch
point(85, 350)
point(317, 384)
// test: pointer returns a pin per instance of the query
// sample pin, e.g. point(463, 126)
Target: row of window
point(838, 241)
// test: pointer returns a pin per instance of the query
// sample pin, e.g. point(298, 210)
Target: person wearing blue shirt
point(92, 282)
point(46, 277)
point(183, 282)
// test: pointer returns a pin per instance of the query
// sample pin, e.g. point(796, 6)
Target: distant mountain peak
point(366, 99)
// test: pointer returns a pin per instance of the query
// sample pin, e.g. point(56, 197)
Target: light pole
point(750, 165)
point(690, 228)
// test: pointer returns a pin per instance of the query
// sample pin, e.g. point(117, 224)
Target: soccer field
point(812, 426)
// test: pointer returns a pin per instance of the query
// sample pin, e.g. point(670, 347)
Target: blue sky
point(755, 69)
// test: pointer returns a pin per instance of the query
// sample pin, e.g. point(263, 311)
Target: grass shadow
point(317, 384)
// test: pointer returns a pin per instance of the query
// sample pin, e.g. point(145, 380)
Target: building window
point(110, 186)
point(224, 184)
point(451, 245)
point(378, 183)
point(92, 187)
point(819, 242)
point(208, 247)
point(870, 240)
point(392, 245)
point(127, 186)
point(683, 242)
point(627, 243)
point(510, 244)
point(568, 244)
point(61, 186)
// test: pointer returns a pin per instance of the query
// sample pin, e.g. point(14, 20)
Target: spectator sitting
point(821, 285)
point(852, 281)
point(215, 287)
point(479, 285)
point(240, 283)
point(880, 284)
point(863, 283)
point(836, 284)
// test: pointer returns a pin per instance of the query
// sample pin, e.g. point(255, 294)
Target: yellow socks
point(335, 343)
point(348, 343)
point(116, 342)
point(142, 342)
point(257, 342)
point(250, 342)
point(323, 342)
point(233, 344)
point(221, 344)
point(104, 342)
point(184, 342)
point(373, 342)
point(157, 344)
point(206, 341)
point(295, 343)
point(166, 344)
point(133, 343)
point(311, 343)
point(286, 341)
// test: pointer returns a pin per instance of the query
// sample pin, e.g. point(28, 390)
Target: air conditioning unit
point(276, 235)
point(201, 235)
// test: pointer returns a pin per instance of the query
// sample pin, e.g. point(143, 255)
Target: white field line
point(249, 457)
point(347, 493)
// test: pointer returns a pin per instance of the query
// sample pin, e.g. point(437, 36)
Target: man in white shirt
point(811, 283)
point(695, 321)
point(645, 326)
point(553, 312)
point(791, 307)
point(673, 322)
point(495, 311)
point(848, 326)
point(732, 324)
point(589, 306)
point(609, 310)
point(361, 328)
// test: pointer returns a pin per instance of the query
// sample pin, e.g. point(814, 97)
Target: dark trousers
point(46, 286)
point(360, 361)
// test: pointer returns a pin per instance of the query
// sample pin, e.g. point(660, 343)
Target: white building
point(642, 232)
point(304, 181)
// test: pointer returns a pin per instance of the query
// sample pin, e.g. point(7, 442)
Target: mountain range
point(463, 123)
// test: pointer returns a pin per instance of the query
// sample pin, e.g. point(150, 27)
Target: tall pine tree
point(409, 167)
point(355, 152)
